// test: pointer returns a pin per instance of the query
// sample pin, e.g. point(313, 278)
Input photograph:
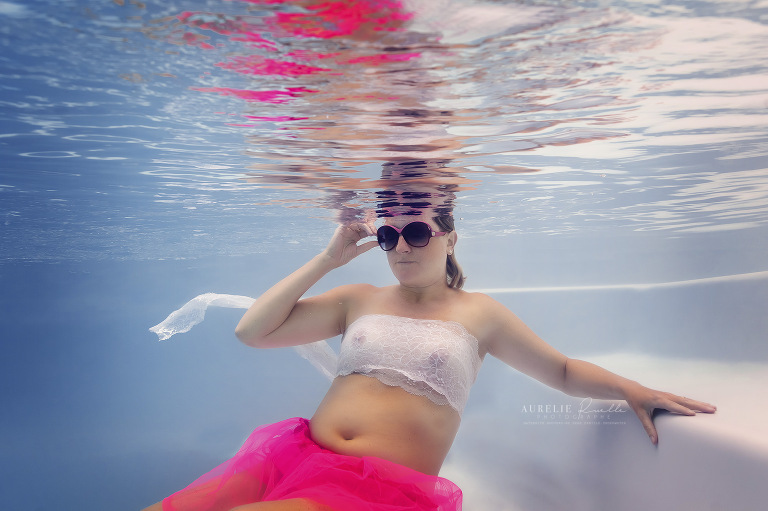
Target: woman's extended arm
point(584, 379)
point(514, 343)
point(279, 318)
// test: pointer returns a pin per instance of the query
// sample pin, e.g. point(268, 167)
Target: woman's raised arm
point(279, 317)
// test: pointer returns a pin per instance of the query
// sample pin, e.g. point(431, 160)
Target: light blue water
point(582, 143)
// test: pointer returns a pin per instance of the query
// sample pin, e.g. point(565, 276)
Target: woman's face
point(420, 266)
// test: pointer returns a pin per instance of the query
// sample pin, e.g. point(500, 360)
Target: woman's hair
point(453, 271)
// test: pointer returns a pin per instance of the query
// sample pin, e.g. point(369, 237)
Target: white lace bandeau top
point(426, 357)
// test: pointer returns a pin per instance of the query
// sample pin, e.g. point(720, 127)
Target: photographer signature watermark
point(585, 412)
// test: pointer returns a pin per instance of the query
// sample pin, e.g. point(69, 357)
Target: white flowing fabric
point(319, 354)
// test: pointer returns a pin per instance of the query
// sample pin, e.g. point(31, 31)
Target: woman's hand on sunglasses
point(344, 247)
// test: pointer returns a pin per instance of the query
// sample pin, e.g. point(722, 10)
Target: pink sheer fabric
point(281, 461)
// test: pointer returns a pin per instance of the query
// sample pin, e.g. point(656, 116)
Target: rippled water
point(181, 129)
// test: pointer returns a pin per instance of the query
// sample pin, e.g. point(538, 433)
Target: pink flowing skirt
point(281, 461)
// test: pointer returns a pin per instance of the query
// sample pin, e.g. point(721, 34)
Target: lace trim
point(417, 388)
point(426, 357)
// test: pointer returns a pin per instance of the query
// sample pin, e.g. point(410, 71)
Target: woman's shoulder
point(355, 295)
point(356, 291)
point(480, 302)
point(482, 315)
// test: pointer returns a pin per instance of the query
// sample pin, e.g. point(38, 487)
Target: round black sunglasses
point(416, 234)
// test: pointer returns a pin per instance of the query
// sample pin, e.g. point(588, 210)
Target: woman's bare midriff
point(360, 416)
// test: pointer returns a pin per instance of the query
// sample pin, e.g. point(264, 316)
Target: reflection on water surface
point(165, 120)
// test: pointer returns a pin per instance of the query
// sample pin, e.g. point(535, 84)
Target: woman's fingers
point(671, 404)
point(371, 228)
point(367, 230)
point(368, 245)
point(688, 406)
point(361, 230)
point(647, 421)
point(646, 401)
point(344, 247)
point(699, 406)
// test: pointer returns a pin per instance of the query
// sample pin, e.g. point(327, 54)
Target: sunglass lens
point(417, 234)
point(387, 237)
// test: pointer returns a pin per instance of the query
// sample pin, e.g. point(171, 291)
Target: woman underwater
point(409, 355)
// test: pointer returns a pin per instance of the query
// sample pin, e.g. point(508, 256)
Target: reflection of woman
point(409, 354)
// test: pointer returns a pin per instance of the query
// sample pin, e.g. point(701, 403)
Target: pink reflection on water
point(281, 118)
point(255, 40)
point(343, 18)
point(257, 65)
point(382, 118)
point(266, 96)
point(376, 60)
point(309, 55)
point(234, 26)
point(356, 19)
